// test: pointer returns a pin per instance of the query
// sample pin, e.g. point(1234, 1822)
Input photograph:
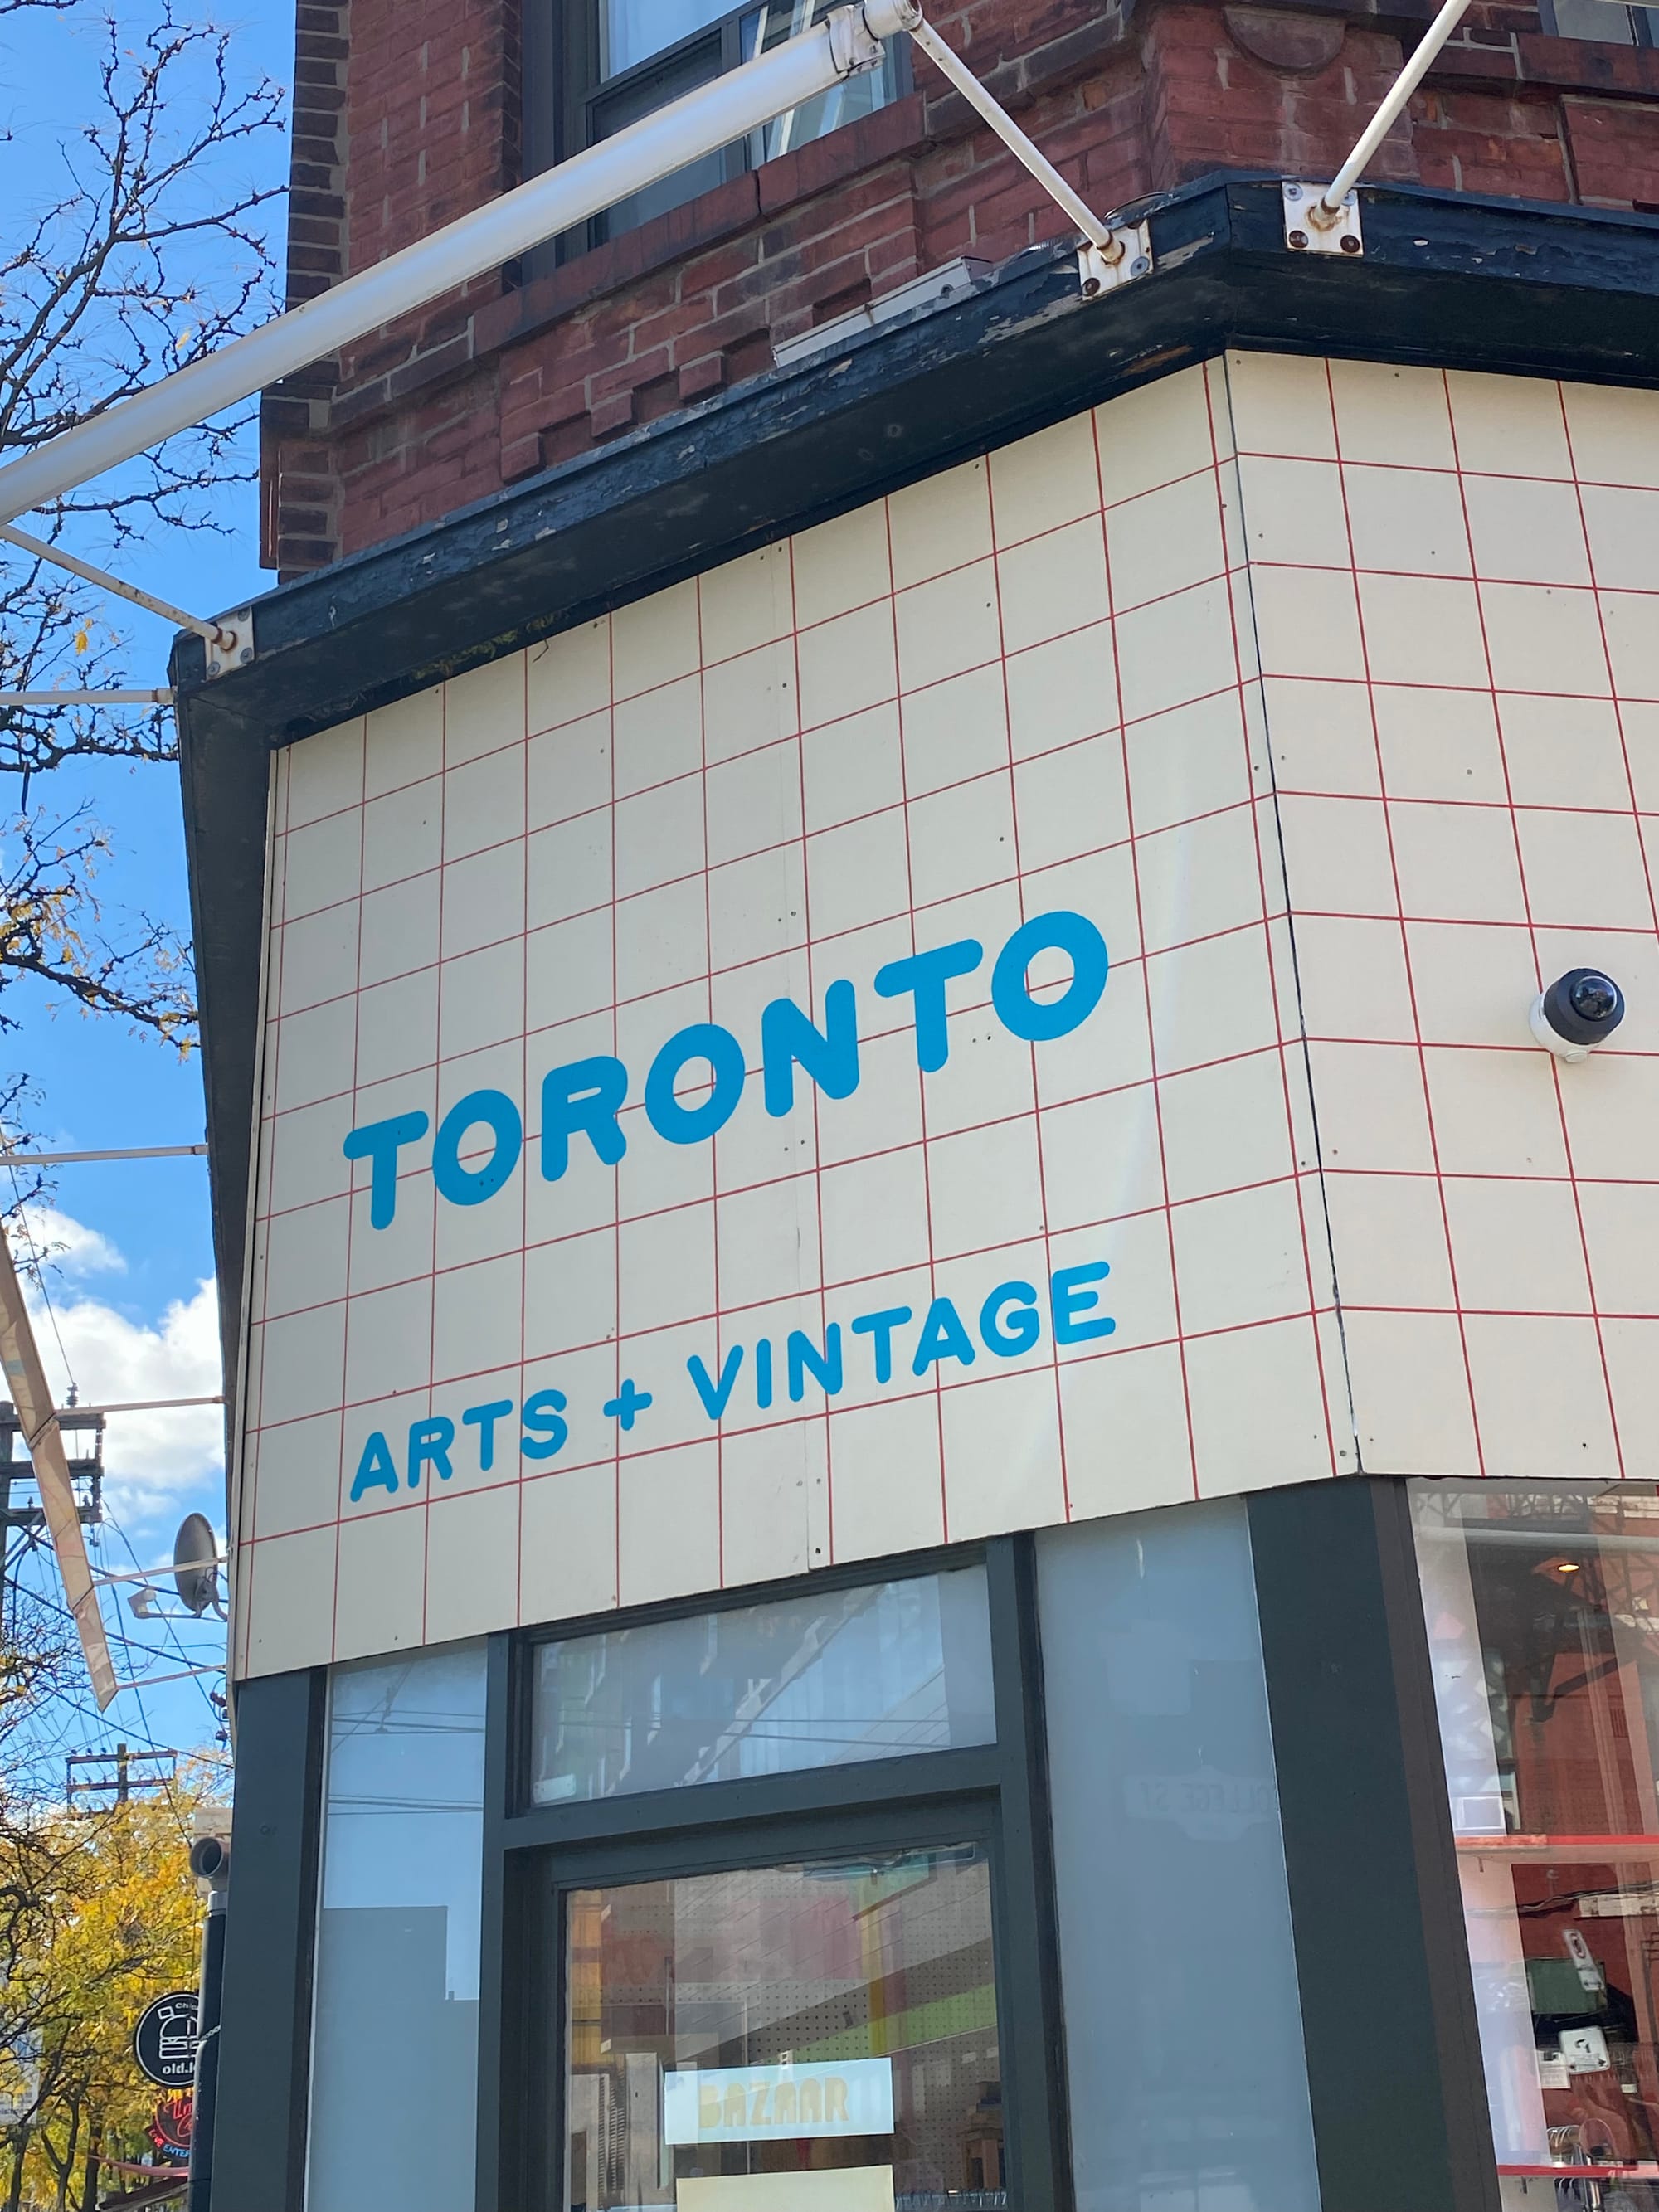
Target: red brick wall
point(420, 120)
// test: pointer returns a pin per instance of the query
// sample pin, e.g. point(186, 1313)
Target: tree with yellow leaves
point(97, 1916)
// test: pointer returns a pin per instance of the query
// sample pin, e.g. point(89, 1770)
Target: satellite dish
point(195, 1564)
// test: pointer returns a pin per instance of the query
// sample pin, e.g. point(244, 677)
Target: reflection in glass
point(832, 2026)
point(634, 33)
point(631, 31)
point(1542, 1606)
point(394, 2063)
point(1183, 2024)
point(844, 102)
point(829, 1678)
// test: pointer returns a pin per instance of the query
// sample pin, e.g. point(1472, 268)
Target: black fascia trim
point(1453, 280)
point(264, 2044)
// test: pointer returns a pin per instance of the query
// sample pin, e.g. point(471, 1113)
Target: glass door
point(816, 2035)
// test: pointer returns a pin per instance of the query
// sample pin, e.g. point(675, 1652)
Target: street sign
point(164, 2042)
point(175, 2121)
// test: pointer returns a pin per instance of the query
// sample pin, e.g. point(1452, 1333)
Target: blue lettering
point(715, 1396)
point(584, 1095)
point(379, 1143)
point(542, 1409)
point(1021, 1329)
point(1068, 1299)
point(483, 1420)
point(490, 1109)
point(429, 1446)
point(763, 1373)
point(924, 975)
point(943, 1337)
point(880, 1326)
point(375, 1469)
point(690, 1125)
point(830, 1057)
point(1037, 1020)
point(805, 1359)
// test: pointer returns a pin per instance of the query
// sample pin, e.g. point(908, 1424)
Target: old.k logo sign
point(690, 1092)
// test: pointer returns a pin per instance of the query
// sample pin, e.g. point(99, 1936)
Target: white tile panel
point(1329, 894)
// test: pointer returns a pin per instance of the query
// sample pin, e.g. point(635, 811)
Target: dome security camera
point(1579, 1010)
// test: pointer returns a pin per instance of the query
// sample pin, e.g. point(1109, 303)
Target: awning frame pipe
point(1328, 209)
point(160, 695)
point(846, 43)
point(39, 550)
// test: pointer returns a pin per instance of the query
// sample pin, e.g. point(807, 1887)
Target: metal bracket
point(1311, 227)
point(1100, 271)
point(853, 47)
point(234, 647)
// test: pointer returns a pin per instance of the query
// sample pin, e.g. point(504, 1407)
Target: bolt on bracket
point(1312, 227)
point(1104, 269)
point(232, 647)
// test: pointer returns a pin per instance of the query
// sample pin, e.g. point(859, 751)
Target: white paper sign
point(764, 2104)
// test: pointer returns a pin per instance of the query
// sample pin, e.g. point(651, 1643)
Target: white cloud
point(156, 1466)
point(66, 1244)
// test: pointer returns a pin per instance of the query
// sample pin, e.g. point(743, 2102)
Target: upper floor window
point(617, 61)
point(1602, 19)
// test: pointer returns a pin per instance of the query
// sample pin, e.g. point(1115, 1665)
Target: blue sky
point(127, 1296)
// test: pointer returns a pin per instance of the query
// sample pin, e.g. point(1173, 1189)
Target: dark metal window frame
point(995, 1794)
point(1395, 2076)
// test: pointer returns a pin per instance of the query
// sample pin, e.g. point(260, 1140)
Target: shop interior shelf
point(1637, 2173)
point(1606, 1850)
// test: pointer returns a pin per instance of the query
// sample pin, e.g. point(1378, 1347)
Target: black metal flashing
point(1447, 279)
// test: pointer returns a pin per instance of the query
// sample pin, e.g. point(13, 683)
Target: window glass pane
point(395, 2048)
point(643, 96)
point(1602, 19)
point(786, 2039)
point(825, 1680)
point(1542, 1605)
point(844, 102)
point(1183, 2026)
point(631, 31)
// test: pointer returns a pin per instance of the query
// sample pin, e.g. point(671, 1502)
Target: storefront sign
point(791, 1070)
point(164, 2042)
point(772, 2104)
point(175, 2121)
point(1209, 1807)
point(839, 2189)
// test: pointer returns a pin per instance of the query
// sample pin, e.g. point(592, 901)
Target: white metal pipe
point(160, 697)
point(179, 1675)
point(155, 1574)
point(1329, 206)
point(714, 115)
point(950, 65)
point(37, 549)
point(145, 1405)
point(138, 1152)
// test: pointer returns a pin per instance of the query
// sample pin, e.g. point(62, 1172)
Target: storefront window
point(1183, 2023)
point(806, 2038)
point(825, 1680)
point(1542, 1606)
point(395, 2055)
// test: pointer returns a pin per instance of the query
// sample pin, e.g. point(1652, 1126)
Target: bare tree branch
point(129, 247)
